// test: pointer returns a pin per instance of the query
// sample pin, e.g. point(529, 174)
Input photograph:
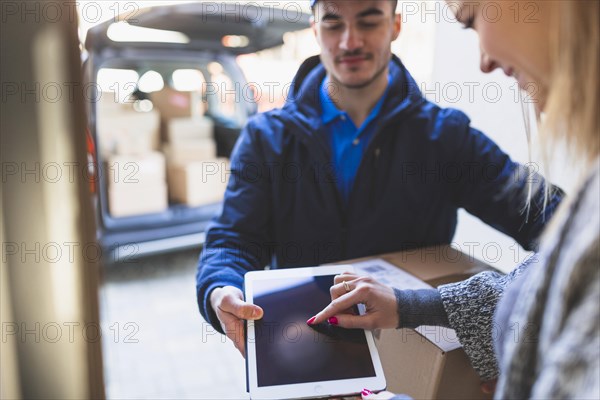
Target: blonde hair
point(572, 109)
point(572, 115)
point(571, 112)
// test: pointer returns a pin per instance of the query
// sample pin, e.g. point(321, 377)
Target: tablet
point(286, 358)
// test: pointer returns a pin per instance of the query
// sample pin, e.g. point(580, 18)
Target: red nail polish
point(333, 320)
point(366, 392)
point(311, 320)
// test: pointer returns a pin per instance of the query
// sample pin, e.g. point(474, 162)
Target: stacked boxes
point(122, 130)
point(196, 176)
point(177, 104)
point(136, 184)
point(189, 140)
point(198, 183)
point(134, 170)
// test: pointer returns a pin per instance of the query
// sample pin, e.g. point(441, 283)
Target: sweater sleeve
point(470, 307)
point(420, 307)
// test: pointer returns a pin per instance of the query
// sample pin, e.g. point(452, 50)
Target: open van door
point(159, 40)
point(50, 322)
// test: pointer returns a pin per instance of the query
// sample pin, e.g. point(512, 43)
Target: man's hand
point(232, 310)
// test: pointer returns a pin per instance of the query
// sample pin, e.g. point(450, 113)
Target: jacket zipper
point(343, 209)
point(375, 162)
point(341, 206)
point(322, 161)
point(373, 150)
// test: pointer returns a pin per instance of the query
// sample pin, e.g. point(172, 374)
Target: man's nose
point(351, 40)
point(487, 65)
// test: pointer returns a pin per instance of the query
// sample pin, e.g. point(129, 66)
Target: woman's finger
point(343, 287)
point(338, 305)
point(346, 276)
point(368, 395)
point(351, 321)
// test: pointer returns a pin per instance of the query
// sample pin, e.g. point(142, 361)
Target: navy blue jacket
point(282, 207)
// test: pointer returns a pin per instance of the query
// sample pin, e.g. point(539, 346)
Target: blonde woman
point(547, 341)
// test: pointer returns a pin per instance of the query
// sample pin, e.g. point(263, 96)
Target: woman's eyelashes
point(468, 24)
point(466, 16)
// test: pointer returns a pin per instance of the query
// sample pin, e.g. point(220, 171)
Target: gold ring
point(346, 286)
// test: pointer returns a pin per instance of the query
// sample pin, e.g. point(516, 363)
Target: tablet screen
point(288, 351)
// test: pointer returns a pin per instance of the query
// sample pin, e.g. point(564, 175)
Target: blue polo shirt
point(348, 142)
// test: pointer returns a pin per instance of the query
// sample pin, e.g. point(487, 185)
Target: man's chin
point(356, 83)
point(358, 86)
point(360, 78)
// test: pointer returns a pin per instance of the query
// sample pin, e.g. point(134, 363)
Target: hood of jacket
point(303, 105)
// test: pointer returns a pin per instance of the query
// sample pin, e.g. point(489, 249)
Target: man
point(356, 163)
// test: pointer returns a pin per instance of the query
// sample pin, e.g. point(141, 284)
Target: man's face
point(355, 39)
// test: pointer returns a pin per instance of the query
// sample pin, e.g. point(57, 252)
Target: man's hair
point(394, 4)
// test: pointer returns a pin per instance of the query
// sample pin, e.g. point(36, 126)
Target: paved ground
point(155, 343)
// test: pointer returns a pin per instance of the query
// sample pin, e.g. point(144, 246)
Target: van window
point(151, 81)
point(188, 80)
point(122, 82)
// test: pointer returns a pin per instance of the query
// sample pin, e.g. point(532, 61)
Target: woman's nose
point(487, 65)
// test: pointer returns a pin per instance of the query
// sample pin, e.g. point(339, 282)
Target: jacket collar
point(304, 98)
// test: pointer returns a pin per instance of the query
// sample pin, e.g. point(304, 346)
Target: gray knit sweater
point(553, 347)
point(470, 307)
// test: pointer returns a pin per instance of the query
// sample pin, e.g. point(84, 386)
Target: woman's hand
point(368, 395)
point(351, 289)
point(489, 387)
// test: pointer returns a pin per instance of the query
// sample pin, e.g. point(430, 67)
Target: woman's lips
point(510, 72)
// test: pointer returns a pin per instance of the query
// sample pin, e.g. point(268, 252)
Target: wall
point(491, 101)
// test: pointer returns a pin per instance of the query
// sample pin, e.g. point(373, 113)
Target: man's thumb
point(250, 311)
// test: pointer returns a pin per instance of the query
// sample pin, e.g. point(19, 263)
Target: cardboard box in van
point(183, 130)
point(126, 131)
point(173, 103)
point(138, 169)
point(198, 183)
point(136, 184)
point(127, 201)
point(192, 151)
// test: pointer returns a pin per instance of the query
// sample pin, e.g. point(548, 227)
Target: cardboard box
point(184, 130)
point(198, 183)
point(192, 151)
point(147, 169)
point(172, 103)
point(429, 363)
point(137, 199)
point(108, 104)
point(128, 132)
